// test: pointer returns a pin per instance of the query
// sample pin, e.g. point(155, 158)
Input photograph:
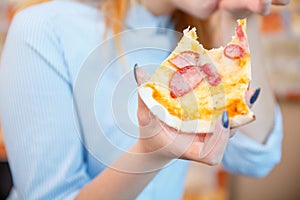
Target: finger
point(215, 143)
point(140, 75)
point(145, 117)
point(262, 7)
point(142, 108)
point(192, 146)
point(280, 2)
point(252, 96)
point(143, 113)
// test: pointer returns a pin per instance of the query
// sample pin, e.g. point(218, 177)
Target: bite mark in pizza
point(193, 86)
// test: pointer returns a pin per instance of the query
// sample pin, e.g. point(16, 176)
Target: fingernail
point(225, 120)
point(134, 72)
point(255, 96)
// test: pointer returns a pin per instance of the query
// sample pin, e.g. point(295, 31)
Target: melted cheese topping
point(205, 102)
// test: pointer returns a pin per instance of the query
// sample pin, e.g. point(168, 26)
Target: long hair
point(115, 12)
point(24, 4)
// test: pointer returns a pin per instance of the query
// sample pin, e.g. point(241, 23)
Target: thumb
point(216, 142)
point(140, 75)
point(251, 96)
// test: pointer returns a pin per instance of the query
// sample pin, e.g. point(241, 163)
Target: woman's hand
point(250, 97)
point(155, 136)
point(243, 8)
point(203, 9)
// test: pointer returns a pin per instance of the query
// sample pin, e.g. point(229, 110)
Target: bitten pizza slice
point(193, 86)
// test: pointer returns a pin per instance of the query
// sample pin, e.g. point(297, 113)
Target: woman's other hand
point(243, 8)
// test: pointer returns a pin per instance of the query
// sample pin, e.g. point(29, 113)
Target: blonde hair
point(115, 12)
point(24, 4)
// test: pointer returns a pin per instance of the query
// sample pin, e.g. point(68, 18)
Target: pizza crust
point(199, 124)
point(192, 126)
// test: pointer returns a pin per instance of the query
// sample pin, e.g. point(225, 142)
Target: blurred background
point(280, 34)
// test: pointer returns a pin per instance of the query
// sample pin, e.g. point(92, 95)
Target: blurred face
point(198, 8)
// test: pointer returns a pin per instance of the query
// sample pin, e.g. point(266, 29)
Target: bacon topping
point(241, 36)
point(185, 80)
point(186, 58)
point(234, 51)
point(212, 76)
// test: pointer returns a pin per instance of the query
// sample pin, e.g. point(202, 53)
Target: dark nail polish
point(134, 72)
point(255, 96)
point(225, 120)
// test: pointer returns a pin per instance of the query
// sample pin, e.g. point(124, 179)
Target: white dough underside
point(192, 126)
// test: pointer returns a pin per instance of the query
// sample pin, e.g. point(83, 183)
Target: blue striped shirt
point(50, 151)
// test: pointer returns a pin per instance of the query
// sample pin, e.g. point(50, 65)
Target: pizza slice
point(193, 86)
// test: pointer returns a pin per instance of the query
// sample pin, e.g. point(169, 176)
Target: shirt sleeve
point(44, 149)
point(245, 156)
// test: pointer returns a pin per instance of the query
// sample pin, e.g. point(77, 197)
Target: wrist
point(150, 151)
point(138, 159)
point(143, 146)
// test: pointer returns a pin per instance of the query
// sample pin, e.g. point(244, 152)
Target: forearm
point(126, 177)
point(264, 107)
